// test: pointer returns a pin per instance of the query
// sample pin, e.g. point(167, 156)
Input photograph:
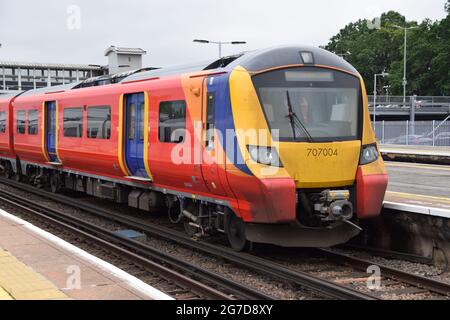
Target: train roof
point(169, 71)
point(9, 94)
point(253, 61)
point(45, 90)
point(264, 59)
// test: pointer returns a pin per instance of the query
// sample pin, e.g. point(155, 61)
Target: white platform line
point(417, 209)
point(431, 153)
point(127, 278)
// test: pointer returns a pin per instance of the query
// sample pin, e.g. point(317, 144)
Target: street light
point(342, 55)
point(220, 43)
point(405, 82)
point(387, 93)
point(383, 74)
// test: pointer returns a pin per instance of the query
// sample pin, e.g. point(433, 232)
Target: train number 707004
point(322, 152)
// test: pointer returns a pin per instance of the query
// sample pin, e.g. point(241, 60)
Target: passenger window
point(209, 143)
point(2, 122)
point(33, 122)
point(131, 121)
point(99, 122)
point(172, 121)
point(141, 122)
point(73, 122)
point(20, 122)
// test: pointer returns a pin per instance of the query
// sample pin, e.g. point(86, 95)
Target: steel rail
point(326, 288)
point(409, 278)
point(139, 253)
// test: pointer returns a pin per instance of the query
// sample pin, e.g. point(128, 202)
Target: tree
point(375, 50)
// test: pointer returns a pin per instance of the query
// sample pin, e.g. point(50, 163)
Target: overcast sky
point(50, 31)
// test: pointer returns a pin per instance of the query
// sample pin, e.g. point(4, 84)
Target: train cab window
point(172, 121)
point(20, 122)
point(2, 122)
point(73, 122)
point(99, 122)
point(33, 122)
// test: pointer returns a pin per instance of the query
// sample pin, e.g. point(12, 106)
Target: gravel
point(250, 278)
point(296, 259)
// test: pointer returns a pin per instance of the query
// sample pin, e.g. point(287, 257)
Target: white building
point(30, 75)
point(124, 59)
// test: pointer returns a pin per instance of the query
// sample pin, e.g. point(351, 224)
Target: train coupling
point(334, 205)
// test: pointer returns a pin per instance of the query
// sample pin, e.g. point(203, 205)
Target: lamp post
point(405, 82)
point(220, 43)
point(383, 74)
point(387, 93)
point(343, 55)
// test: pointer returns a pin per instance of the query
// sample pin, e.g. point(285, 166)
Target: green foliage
point(374, 50)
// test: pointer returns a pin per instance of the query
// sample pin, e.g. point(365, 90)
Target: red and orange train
point(271, 146)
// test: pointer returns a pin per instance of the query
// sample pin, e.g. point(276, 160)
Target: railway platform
point(415, 219)
point(418, 188)
point(36, 265)
point(421, 154)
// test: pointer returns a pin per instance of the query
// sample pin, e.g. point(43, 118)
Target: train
point(271, 146)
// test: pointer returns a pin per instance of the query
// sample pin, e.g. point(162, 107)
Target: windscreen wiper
point(295, 121)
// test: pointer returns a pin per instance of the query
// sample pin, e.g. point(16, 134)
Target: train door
point(50, 131)
point(212, 148)
point(134, 135)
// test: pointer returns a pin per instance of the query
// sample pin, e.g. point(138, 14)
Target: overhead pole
point(219, 43)
point(383, 74)
point(405, 81)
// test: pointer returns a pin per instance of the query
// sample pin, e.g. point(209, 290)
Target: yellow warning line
point(416, 165)
point(4, 295)
point(417, 196)
point(18, 281)
point(416, 152)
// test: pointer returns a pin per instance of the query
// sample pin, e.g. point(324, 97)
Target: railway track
point(321, 287)
point(415, 284)
point(188, 277)
point(336, 288)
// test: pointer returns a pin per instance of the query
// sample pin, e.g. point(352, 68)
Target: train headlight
point(369, 154)
point(265, 155)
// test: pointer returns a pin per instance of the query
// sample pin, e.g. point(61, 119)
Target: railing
point(420, 101)
point(431, 133)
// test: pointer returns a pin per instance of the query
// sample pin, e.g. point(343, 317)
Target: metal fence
point(430, 133)
point(420, 101)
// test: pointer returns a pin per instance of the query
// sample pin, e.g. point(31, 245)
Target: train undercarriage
point(324, 217)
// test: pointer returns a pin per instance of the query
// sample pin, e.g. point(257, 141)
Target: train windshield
point(310, 104)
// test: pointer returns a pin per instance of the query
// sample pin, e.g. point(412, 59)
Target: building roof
point(9, 64)
point(123, 50)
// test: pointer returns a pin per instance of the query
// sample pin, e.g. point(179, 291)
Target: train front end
point(315, 155)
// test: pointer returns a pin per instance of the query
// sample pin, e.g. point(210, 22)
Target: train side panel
point(6, 139)
point(171, 163)
point(28, 141)
point(93, 148)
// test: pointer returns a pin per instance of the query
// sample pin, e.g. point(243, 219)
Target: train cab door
point(213, 152)
point(50, 131)
point(134, 111)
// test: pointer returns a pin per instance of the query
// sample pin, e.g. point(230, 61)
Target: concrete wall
point(410, 233)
